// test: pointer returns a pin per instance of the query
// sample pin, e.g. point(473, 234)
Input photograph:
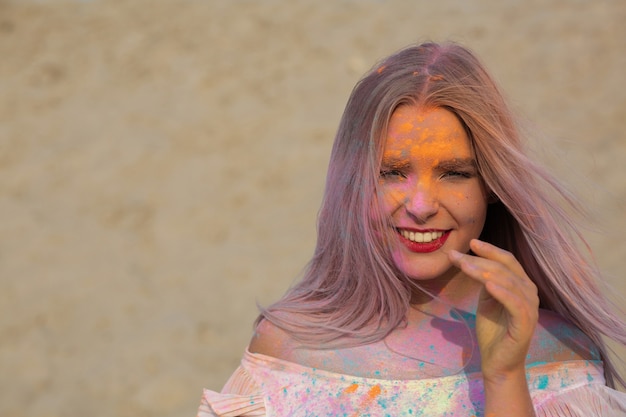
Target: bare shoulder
point(557, 340)
point(270, 340)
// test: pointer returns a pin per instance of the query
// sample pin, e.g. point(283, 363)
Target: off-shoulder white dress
point(266, 386)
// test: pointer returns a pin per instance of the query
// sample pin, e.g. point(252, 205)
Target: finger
point(478, 268)
point(523, 312)
point(486, 270)
point(489, 251)
point(519, 300)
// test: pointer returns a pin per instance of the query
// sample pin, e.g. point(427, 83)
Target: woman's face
point(430, 188)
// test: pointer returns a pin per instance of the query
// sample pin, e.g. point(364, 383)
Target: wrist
point(507, 394)
point(496, 378)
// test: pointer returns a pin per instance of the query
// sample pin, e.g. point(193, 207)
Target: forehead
point(423, 131)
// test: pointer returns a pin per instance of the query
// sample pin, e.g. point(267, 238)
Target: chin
point(424, 267)
point(425, 272)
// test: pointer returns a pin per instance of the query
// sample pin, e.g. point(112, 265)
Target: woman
point(447, 278)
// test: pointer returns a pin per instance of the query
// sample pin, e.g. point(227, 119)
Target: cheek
point(470, 206)
point(379, 213)
point(477, 213)
point(465, 203)
point(390, 198)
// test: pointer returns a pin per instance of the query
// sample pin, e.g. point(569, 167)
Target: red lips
point(423, 247)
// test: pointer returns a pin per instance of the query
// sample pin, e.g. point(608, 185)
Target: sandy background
point(162, 163)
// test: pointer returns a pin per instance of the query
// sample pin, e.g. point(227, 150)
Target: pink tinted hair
point(351, 292)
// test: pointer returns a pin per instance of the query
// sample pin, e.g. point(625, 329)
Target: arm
point(506, 318)
point(508, 396)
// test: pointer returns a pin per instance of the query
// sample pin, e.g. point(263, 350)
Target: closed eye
point(394, 169)
point(459, 168)
point(458, 174)
point(391, 173)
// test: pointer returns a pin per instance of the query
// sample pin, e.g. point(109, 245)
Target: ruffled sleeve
point(574, 389)
point(595, 400)
point(240, 397)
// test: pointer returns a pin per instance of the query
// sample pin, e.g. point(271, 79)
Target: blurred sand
point(162, 163)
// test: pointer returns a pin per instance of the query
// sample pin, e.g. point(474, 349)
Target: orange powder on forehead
point(406, 127)
point(432, 149)
point(435, 149)
point(426, 135)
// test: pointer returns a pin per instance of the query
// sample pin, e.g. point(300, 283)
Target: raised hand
point(508, 308)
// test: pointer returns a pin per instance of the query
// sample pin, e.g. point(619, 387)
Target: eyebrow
point(457, 163)
point(396, 163)
point(448, 164)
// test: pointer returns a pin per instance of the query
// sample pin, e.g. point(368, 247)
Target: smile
point(420, 237)
point(423, 242)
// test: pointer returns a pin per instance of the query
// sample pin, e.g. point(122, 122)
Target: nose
point(421, 202)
